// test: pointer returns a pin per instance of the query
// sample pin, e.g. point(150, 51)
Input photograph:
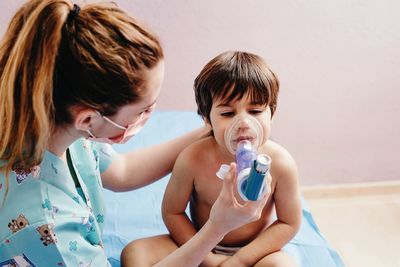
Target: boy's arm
point(288, 210)
point(176, 198)
point(226, 214)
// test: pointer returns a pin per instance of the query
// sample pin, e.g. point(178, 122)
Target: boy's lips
point(243, 138)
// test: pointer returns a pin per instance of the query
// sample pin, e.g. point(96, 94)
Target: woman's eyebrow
point(150, 104)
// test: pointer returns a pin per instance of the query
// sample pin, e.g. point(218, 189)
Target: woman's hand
point(227, 213)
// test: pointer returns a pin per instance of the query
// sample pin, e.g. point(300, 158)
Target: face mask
point(241, 128)
point(129, 131)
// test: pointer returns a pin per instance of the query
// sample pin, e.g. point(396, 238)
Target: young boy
point(235, 86)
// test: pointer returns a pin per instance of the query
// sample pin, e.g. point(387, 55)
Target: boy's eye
point(227, 114)
point(256, 111)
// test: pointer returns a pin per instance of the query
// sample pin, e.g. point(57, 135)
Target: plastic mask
point(243, 127)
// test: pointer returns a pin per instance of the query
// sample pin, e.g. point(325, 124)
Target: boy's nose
point(244, 124)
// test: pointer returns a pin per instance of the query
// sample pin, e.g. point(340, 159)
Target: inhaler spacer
point(243, 138)
point(252, 169)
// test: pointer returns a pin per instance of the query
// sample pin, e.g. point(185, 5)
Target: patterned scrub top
point(46, 220)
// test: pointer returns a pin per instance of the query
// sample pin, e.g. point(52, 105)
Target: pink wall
point(338, 63)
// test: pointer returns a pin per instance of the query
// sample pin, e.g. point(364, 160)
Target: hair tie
point(74, 12)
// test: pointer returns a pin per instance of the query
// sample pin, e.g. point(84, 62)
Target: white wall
point(338, 63)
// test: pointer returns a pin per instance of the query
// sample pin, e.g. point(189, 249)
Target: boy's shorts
point(227, 251)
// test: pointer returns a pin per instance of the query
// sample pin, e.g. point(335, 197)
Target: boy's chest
point(207, 185)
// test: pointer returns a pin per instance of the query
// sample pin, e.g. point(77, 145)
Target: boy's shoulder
point(195, 152)
point(283, 164)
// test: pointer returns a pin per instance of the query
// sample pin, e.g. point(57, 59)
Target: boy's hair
point(232, 75)
point(55, 56)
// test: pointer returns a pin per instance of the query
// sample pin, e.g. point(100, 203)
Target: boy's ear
point(208, 125)
point(206, 121)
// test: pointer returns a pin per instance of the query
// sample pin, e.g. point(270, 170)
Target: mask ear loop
point(120, 126)
point(110, 121)
point(90, 134)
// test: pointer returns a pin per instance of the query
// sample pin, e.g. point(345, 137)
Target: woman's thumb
point(230, 179)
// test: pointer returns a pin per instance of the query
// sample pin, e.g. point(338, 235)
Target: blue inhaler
point(252, 169)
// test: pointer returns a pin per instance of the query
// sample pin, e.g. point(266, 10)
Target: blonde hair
point(52, 58)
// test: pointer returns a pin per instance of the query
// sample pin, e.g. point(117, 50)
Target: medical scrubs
point(53, 215)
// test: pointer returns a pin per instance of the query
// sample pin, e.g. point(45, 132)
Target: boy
point(232, 85)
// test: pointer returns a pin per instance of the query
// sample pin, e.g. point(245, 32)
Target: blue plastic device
point(251, 170)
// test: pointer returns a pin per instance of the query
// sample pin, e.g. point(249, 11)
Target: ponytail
point(27, 58)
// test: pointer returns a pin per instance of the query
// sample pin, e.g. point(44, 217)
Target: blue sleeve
point(105, 153)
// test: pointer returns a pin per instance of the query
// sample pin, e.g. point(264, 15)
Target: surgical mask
point(129, 131)
point(241, 128)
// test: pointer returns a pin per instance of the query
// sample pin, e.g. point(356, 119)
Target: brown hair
point(232, 75)
point(53, 57)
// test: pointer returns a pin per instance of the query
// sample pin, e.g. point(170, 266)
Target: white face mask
point(130, 130)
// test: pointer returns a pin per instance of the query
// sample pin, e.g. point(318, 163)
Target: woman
point(68, 75)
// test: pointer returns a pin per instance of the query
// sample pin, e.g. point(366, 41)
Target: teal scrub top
point(47, 219)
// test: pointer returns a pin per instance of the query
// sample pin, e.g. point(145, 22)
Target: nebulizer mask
point(243, 137)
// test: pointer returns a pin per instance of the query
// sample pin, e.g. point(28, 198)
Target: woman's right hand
point(227, 213)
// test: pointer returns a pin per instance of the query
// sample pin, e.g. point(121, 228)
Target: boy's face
point(222, 115)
